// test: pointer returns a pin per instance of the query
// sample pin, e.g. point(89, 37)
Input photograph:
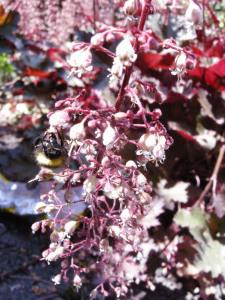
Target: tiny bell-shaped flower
point(109, 136)
point(77, 282)
point(132, 8)
point(114, 231)
point(59, 118)
point(194, 13)
point(70, 227)
point(153, 146)
point(35, 226)
point(57, 279)
point(40, 207)
point(80, 61)
point(89, 184)
point(125, 52)
point(77, 132)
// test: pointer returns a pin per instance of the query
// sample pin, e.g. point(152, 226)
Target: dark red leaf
point(37, 73)
point(155, 61)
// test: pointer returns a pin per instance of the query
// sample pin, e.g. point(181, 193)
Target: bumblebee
point(49, 150)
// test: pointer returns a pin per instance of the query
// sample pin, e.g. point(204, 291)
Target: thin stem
point(144, 14)
point(128, 71)
point(94, 13)
point(213, 179)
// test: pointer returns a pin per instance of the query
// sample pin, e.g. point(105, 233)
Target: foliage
point(137, 111)
point(6, 68)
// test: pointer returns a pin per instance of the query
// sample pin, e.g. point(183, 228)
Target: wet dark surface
point(22, 274)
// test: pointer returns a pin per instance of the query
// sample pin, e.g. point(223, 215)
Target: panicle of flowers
point(97, 201)
point(46, 17)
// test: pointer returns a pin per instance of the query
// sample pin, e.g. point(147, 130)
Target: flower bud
point(57, 279)
point(105, 161)
point(40, 207)
point(194, 13)
point(81, 61)
point(132, 8)
point(89, 184)
point(70, 227)
point(141, 180)
point(109, 136)
point(114, 230)
point(77, 281)
point(97, 39)
point(120, 116)
point(131, 164)
point(125, 52)
point(50, 208)
point(35, 226)
point(59, 118)
point(125, 215)
point(148, 141)
point(77, 132)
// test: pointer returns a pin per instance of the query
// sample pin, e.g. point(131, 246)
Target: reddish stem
point(128, 72)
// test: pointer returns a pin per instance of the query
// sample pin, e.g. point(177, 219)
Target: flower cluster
point(144, 68)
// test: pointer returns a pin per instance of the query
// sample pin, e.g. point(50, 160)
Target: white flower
point(54, 255)
point(50, 208)
point(89, 184)
point(35, 226)
point(180, 63)
point(59, 118)
point(114, 230)
point(125, 215)
point(194, 13)
point(153, 146)
point(40, 207)
point(131, 164)
point(57, 279)
point(141, 179)
point(111, 191)
point(77, 281)
point(70, 227)
point(116, 71)
point(77, 131)
point(80, 61)
point(125, 52)
point(132, 7)
point(120, 116)
point(97, 39)
point(109, 136)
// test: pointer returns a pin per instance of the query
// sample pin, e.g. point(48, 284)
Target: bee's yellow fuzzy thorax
point(43, 160)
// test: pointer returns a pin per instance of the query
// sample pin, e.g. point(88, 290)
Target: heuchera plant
point(102, 207)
